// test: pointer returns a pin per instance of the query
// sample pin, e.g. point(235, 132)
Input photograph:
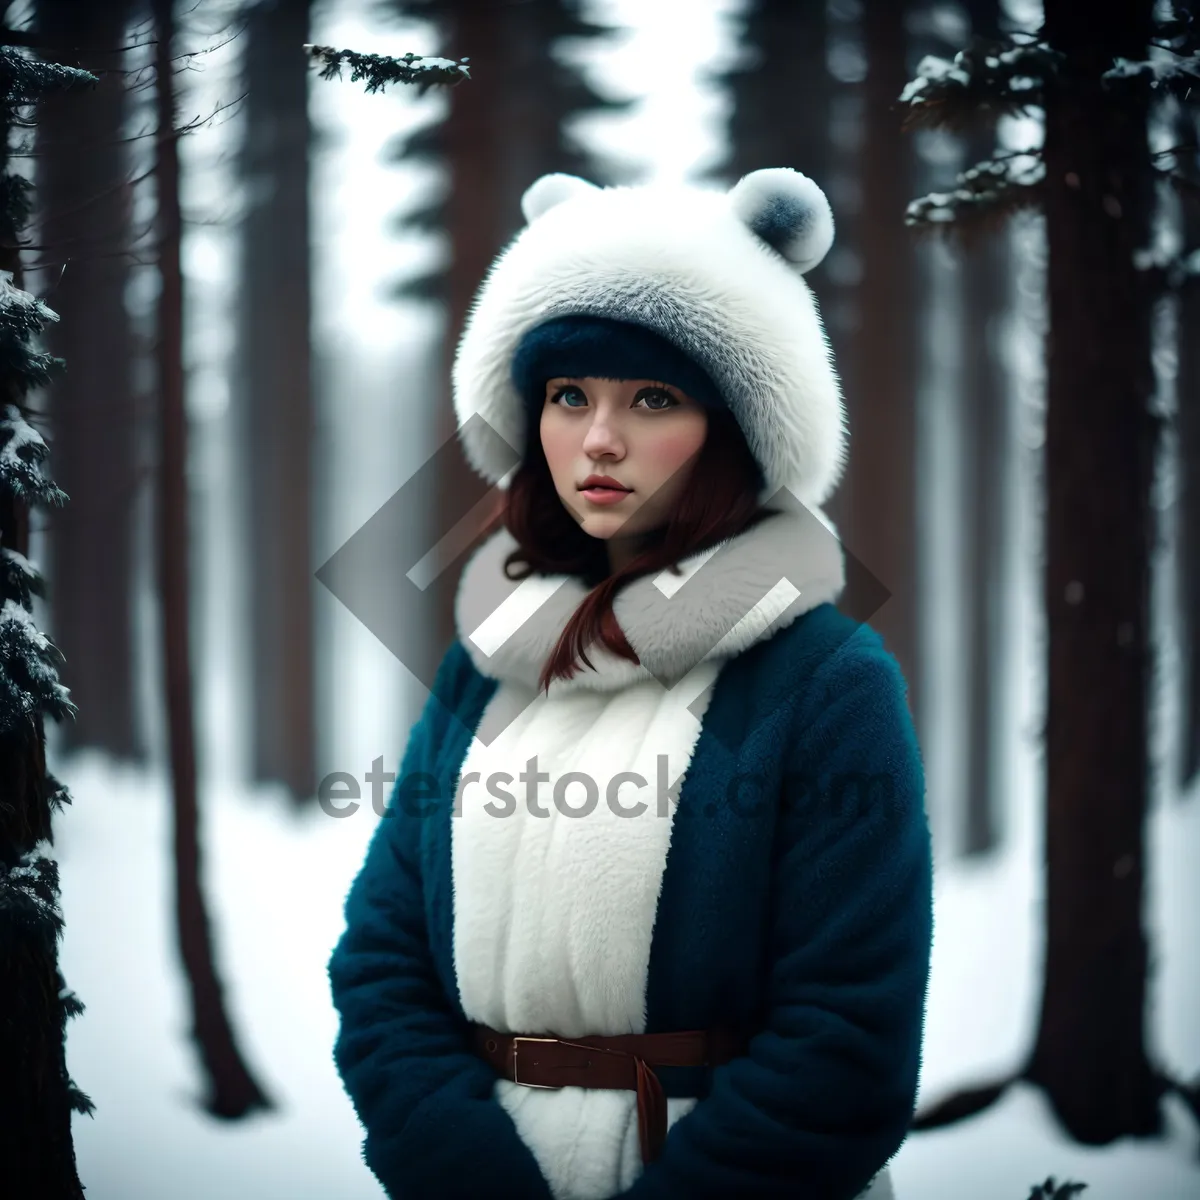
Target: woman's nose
point(602, 437)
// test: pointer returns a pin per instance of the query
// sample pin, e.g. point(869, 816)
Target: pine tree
point(782, 68)
point(232, 1089)
point(275, 404)
point(37, 1157)
point(1187, 177)
point(986, 470)
point(875, 508)
point(85, 203)
point(1094, 177)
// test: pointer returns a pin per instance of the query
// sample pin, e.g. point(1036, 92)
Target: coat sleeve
point(825, 1092)
point(423, 1097)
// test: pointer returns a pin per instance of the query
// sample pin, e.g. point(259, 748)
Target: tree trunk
point(1090, 1053)
point(276, 404)
point(986, 462)
point(232, 1091)
point(86, 203)
point(875, 509)
point(784, 71)
point(786, 45)
point(1188, 546)
point(504, 129)
point(478, 219)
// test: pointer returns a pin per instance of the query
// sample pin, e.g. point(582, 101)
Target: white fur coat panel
point(554, 914)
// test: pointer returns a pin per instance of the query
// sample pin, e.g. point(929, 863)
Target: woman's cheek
point(671, 457)
point(556, 444)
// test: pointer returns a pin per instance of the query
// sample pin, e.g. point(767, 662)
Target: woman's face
point(643, 435)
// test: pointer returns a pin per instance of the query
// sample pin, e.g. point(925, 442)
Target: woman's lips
point(605, 495)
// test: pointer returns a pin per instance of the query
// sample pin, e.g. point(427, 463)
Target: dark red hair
point(719, 500)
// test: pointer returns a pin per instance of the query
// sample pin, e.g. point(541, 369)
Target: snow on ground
point(276, 887)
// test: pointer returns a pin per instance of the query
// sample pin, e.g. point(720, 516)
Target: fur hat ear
point(550, 190)
point(787, 211)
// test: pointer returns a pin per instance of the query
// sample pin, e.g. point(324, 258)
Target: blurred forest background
point(259, 277)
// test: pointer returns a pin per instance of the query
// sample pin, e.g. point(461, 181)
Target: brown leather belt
point(622, 1061)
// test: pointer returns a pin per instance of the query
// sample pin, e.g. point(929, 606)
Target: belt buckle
point(516, 1056)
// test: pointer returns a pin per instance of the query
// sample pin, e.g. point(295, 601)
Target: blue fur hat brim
point(582, 347)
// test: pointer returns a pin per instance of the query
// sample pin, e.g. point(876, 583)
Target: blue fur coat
point(795, 902)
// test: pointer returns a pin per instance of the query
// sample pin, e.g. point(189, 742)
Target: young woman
point(650, 912)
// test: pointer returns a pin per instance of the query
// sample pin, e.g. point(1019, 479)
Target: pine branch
point(1179, 78)
point(1178, 27)
point(19, 577)
point(1050, 1191)
point(22, 318)
point(29, 671)
point(58, 795)
point(984, 194)
point(22, 452)
point(982, 80)
point(1174, 71)
point(1169, 272)
point(29, 900)
point(26, 80)
point(81, 1102)
point(379, 69)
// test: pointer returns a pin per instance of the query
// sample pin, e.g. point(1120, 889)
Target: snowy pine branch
point(26, 80)
point(22, 451)
point(379, 69)
point(987, 192)
point(29, 663)
point(1177, 77)
point(29, 897)
point(19, 577)
point(983, 79)
point(1179, 26)
point(21, 314)
point(1170, 272)
point(23, 317)
point(1172, 65)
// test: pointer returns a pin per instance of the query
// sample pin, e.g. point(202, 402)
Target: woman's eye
point(568, 396)
point(656, 399)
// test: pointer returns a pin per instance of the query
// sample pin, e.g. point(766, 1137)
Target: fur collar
point(752, 585)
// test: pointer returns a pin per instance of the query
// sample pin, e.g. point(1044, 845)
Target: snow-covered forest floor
point(276, 888)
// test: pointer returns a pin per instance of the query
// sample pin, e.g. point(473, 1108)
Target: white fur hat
point(716, 273)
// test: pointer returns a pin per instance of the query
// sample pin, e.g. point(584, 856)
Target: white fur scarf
point(751, 585)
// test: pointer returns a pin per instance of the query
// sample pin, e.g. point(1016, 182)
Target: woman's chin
point(607, 524)
point(601, 525)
